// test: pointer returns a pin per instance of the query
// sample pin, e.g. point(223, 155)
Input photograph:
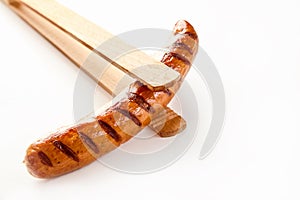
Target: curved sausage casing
point(70, 149)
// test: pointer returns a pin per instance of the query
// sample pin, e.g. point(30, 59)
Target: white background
point(255, 46)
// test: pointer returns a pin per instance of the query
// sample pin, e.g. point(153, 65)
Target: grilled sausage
point(70, 149)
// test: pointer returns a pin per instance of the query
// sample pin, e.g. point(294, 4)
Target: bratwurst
point(70, 149)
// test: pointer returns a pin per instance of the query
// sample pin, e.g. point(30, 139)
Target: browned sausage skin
point(75, 147)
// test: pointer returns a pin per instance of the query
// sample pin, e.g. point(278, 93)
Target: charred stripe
point(129, 115)
point(45, 159)
point(109, 130)
point(89, 142)
point(140, 101)
point(66, 150)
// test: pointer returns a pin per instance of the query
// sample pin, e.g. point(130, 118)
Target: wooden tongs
point(97, 52)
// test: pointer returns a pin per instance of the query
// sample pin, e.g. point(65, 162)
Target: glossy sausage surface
point(70, 149)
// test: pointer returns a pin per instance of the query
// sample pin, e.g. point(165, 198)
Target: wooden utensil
point(78, 39)
point(136, 63)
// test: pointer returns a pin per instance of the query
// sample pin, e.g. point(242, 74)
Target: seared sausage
point(68, 150)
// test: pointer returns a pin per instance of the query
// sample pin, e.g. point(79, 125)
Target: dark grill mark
point(181, 45)
point(45, 159)
point(192, 35)
point(66, 150)
point(89, 142)
point(140, 101)
point(180, 57)
point(109, 130)
point(168, 92)
point(129, 115)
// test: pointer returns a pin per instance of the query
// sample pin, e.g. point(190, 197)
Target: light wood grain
point(104, 73)
point(112, 49)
